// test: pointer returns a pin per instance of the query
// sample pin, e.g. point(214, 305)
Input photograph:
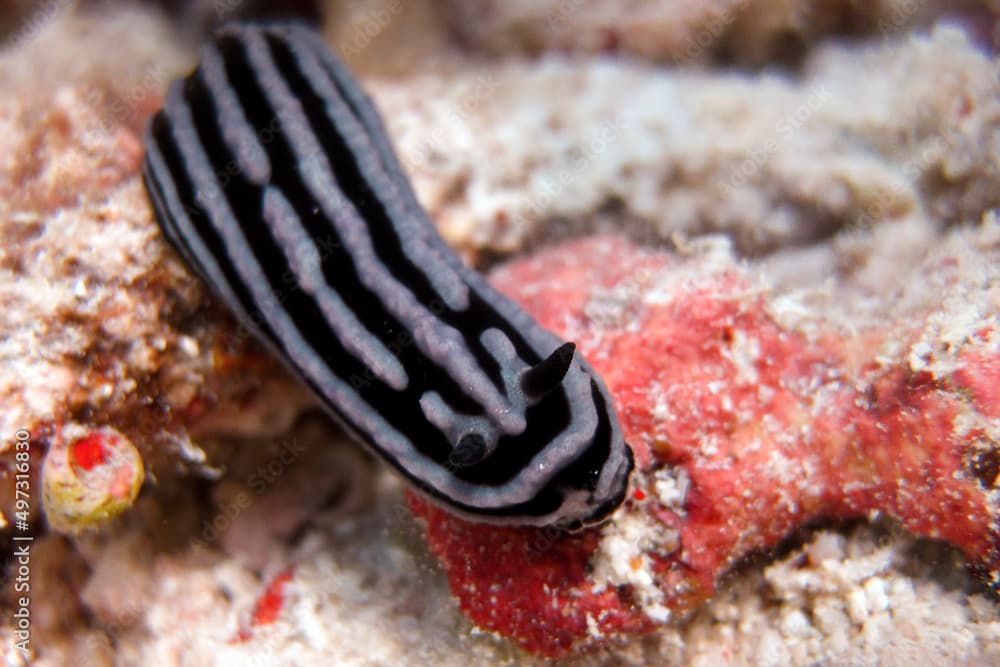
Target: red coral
point(773, 428)
point(528, 584)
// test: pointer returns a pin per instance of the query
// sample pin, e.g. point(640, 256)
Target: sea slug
point(271, 174)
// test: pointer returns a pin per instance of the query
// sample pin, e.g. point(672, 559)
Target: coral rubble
point(846, 365)
point(677, 31)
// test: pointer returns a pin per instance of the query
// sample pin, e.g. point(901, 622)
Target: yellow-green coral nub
point(89, 477)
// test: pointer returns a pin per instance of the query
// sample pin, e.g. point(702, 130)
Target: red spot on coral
point(268, 607)
point(90, 451)
point(639, 495)
point(121, 484)
point(772, 428)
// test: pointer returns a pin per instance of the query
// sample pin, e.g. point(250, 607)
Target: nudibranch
point(271, 174)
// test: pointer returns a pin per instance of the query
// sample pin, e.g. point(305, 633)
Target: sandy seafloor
point(670, 122)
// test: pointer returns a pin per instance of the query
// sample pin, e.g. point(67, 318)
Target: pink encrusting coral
point(744, 428)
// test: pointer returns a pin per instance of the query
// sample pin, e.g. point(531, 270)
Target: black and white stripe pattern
point(271, 174)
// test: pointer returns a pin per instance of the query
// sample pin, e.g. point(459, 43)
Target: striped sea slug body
point(270, 173)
